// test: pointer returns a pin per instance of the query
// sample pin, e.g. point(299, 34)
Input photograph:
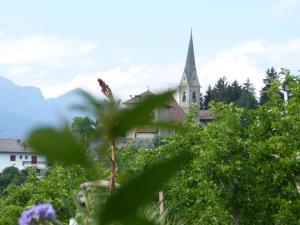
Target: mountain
point(23, 108)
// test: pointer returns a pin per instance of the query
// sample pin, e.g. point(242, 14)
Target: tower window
point(183, 97)
point(194, 96)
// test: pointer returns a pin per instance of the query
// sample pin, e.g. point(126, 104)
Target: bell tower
point(189, 87)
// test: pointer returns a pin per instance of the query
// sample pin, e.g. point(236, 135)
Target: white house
point(15, 152)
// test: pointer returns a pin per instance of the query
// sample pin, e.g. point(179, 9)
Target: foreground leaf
point(57, 146)
point(122, 205)
point(141, 113)
point(136, 220)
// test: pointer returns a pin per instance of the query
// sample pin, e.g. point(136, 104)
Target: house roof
point(146, 130)
point(176, 113)
point(205, 115)
point(14, 146)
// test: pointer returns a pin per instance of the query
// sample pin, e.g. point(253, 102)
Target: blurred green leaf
point(141, 113)
point(57, 145)
point(123, 204)
point(136, 220)
point(92, 104)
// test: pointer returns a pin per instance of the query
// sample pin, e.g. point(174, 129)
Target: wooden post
point(113, 166)
point(161, 202)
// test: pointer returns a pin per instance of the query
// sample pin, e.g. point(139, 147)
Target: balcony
point(40, 164)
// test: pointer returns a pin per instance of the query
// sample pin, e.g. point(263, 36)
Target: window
point(26, 157)
point(12, 157)
point(194, 96)
point(20, 157)
point(183, 97)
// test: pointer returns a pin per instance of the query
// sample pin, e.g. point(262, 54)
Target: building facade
point(171, 112)
point(14, 152)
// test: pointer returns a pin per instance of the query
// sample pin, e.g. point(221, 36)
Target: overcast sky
point(61, 45)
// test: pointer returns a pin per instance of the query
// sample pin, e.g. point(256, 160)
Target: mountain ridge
point(23, 108)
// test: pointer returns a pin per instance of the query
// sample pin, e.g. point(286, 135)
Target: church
point(175, 111)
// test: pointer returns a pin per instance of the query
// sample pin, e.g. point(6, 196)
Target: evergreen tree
point(220, 91)
point(234, 92)
point(207, 97)
point(240, 95)
point(271, 76)
point(247, 99)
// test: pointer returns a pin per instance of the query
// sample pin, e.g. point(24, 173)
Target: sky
point(132, 45)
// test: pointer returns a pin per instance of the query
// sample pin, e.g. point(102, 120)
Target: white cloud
point(40, 49)
point(246, 60)
point(133, 80)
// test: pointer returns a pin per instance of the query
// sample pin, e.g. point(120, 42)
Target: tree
point(245, 167)
point(123, 205)
point(234, 92)
point(271, 76)
point(83, 127)
point(220, 91)
point(247, 99)
point(207, 97)
point(11, 176)
point(59, 188)
point(240, 95)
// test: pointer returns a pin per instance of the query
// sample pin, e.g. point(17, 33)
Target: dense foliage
point(11, 175)
point(245, 167)
point(59, 188)
point(122, 205)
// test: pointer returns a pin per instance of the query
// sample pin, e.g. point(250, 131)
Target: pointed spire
point(190, 66)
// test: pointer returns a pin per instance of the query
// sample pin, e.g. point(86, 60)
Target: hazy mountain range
point(23, 108)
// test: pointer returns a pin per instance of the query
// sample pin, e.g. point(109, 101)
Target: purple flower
point(45, 211)
point(40, 211)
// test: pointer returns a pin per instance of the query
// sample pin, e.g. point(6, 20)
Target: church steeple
point(189, 88)
point(190, 66)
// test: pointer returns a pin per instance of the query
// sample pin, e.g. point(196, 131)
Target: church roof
point(136, 98)
point(176, 113)
point(190, 65)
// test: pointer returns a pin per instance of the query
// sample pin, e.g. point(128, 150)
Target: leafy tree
point(11, 175)
point(245, 167)
point(83, 127)
point(123, 205)
point(59, 188)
